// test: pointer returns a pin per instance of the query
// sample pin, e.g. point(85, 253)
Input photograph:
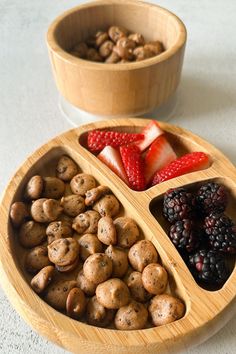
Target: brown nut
point(19, 213)
point(106, 48)
point(73, 204)
point(107, 206)
point(45, 210)
point(113, 293)
point(132, 316)
point(68, 268)
point(115, 33)
point(80, 50)
point(75, 303)
point(86, 222)
point(94, 194)
point(36, 259)
point(127, 231)
point(93, 55)
point(137, 38)
point(119, 261)
point(100, 38)
point(82, 183)
point(98, 315)
point(124, 48)
point(156, 47)
point(41, 280)
point(107, 231)
point(142, 53)
point(136, 288)
point(66, 168)
point(113, 58)
point(86, 285)
point(165, 309)
point(141, 254)
point(97, 268)
point(154, 278)
point(53, 187)
point(63, 251)
point(32, 234)
point(58, 229)
point(34, 188)
point(57, 293)
point(89, 244)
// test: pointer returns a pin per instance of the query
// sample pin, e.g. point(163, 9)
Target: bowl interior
point(152, 21)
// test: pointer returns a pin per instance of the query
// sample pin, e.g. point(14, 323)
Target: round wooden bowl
point(115, 90)
point(206, 311)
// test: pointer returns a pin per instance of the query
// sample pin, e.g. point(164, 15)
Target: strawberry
point(159, 154)
point(191, 162)
point(111, 157)
point(150, 132)
point(98, 139)
point(134, 166)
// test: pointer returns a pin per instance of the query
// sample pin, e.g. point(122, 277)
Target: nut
point(19, 213)
point(115, 33)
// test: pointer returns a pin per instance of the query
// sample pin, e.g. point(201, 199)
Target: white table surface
point(29, 113)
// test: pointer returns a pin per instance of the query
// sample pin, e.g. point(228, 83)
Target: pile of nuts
point(86, 260)
point(116, 45)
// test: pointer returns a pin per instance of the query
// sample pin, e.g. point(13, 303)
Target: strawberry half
point(150, 132)
point(159, 154)
point(134, 166)
point(191, 162)
point(98, 139)
point(111, 157)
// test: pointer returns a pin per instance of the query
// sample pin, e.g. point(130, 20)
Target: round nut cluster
point(84, 258)
point(116, 45)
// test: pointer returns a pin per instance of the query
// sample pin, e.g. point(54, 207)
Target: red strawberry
point(98, 139)
point(134, 166)
point(150, 132)
point(159, 154)
point(191, 162)
point(111, 157)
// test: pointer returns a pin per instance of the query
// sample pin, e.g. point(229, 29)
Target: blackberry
point(184, 236)
point(211, 197)
point(208, 267)
point(178, 204)
point(221, 232)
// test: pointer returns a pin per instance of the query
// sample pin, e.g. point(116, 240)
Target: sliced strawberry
point(191, 162)
point(134, 166)
point(111, 157)
point(150, 132)
point(159, 154)
point(98, 139)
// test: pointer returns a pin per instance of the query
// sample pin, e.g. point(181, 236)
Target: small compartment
point(156, 208)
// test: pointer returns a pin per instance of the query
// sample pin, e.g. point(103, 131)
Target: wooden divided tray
point(206, 311)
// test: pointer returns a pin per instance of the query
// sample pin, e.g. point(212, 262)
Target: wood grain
point(117, 89)
point(206, 312)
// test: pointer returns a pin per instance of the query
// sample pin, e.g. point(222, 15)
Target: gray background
point(29, 113)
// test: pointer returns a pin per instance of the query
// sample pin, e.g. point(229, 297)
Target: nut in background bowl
point(115, 90)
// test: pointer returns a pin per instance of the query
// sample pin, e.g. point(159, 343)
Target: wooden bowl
point(206, 311)
point(117, 89)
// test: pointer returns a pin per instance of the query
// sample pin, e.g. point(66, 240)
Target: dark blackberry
point(211, 197)
point(221, 232)
point(178, 204)
point(208, 267)
point(184, 236)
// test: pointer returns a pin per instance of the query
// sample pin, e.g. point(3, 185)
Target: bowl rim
point(60, 52)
